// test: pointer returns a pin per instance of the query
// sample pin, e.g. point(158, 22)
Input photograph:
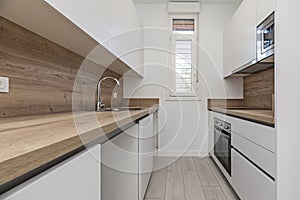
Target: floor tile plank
point(175, 187)
point(187, 164)
point(175, 165)
point(228, 191)
point(214, 193)
point(157, 185)
point(207, 178)
point(192, 186)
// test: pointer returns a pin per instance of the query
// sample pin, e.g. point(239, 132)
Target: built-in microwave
point(265, 49)
point(266, 38)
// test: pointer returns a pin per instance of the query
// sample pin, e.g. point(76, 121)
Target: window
point(184, 58)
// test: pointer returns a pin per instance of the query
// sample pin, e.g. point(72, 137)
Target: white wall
point(287, 71)
point(183, 124)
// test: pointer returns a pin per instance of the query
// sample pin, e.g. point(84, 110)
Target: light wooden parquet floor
point(188, 178)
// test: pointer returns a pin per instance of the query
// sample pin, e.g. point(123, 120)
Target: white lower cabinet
point(127, 162)
point(250, 182)
point(146, 153)
point(262, 157)
point(77, 178)
point(120, 166)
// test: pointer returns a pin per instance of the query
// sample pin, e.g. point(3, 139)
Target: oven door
point(222, 148)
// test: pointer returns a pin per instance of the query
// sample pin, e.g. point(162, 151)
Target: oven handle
point(223, 134)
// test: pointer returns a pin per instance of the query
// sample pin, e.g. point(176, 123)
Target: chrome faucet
point(100, 103)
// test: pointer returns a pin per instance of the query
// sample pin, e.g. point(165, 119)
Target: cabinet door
point(248, 181)
point(120, 166)
point(74, 179)
point(264, 9)
point(240, 37)
point(146, 153)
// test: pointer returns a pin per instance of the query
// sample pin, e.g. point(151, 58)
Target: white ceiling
point(202, 1)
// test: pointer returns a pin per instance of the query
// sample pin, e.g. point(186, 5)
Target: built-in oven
point(222, 143)
point(266, 38)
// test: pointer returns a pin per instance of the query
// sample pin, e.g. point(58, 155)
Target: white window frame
point(195, 94)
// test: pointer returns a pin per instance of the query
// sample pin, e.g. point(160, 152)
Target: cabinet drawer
point(265, 159)
point(248, 181)
point(264, 136)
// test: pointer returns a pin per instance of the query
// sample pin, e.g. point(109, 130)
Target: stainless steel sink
point(120, 109)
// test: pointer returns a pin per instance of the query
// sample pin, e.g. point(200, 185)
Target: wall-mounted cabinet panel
point(114, 24)
point(264, 9)
point(240, 37)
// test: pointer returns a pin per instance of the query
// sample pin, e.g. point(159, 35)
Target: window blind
point(185, 26)
point(183, 66)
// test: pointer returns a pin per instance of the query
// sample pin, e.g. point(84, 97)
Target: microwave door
point(268, 38)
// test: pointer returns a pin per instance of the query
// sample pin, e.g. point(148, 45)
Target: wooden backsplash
point(42, 75)
point(258, 89)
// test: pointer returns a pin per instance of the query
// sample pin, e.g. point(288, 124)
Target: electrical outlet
point(4, 84)
point(115, 95)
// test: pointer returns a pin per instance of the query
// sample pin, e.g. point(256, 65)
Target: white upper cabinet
point(240, 37)
point(264, 9)
point(114, 24)
point(240, 33)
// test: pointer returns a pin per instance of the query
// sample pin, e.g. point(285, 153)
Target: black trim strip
point(244, 156)
point(25, 177)
point(244, 118)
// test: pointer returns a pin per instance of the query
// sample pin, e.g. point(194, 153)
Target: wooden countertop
point(32, 141)
point(261, 116)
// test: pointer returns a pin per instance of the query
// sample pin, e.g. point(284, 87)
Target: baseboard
point(189, 153)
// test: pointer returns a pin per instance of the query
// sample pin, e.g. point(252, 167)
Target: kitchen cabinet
point(248, 181)
point(253, 157)
point(127, 162)
point(263, 158)
point(146, 153)
point(240, 37)
point(264, 9)
point(120, 166)
point(261, 135)
point(114, 24)
point(239, 45)
point(76, 178)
